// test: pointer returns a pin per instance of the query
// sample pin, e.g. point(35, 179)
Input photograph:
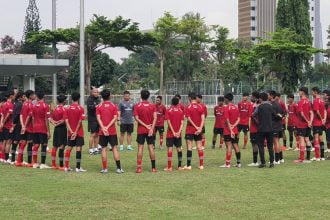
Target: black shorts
point(177, 142)
point(291, 128)
point(303, 132)
point(1, 136)
point(111, 139)
point(318, 130)
point(27, 136)
point(142, 138)
point(327, 131)
point(6, 134)
point(277, 134)
point(218, 131)
point(17, 133)
point(40, 138)
point(193, 137)
point(159, 129)
point(253, 138)
point(78, 142)
point(93, 127)
point(228, 138)
point(126, 128)
point(244, 128)
point(60, 136)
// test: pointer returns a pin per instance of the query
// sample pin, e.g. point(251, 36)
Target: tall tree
point(327, 52)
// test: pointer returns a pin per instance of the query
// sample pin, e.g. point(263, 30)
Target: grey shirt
point(126, 112)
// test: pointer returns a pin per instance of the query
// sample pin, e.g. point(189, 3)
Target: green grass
point(289, 191)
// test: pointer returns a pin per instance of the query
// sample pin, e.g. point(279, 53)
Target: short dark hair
point(246, 94)
point(19, 95)
point(160, 97)
point(178, 96)
point(316, 89)
point(272, 93)
point(199, 96)
point(127, 92)
point(291, 96)
point(105, 94)
point(175, 101)
point(8, 94)
point(61, 98)
point(255, 94)
point(326, 91)
point(229, 96)
point(278, 94)
point(263, 96)
point(192, 95)
point(75, 96)
point(28, 93)
point(221, 99)
point(145, 94)
point(304, 90)
point(40, 94)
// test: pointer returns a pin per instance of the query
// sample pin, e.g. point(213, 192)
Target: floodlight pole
point(82, 55)
point(54, 89)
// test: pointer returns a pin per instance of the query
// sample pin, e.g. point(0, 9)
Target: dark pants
point(268, 136)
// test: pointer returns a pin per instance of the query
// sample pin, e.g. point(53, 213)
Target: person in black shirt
point(263, 116)
point(93, 127)
point(277, 126)
point(18, 104)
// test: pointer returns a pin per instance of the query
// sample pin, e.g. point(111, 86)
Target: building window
point(312, 8)
point(253, 8)
point(312, 28)
point(253, 28)
point(253, 18)
point(312, 18)
point(253, 38)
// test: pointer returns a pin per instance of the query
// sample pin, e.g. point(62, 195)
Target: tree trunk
point(88, 72)
point(161, 81)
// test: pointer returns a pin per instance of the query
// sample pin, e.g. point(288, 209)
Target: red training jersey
point(304, 106)
point(161, 111)
point(253, 124)
point(293, 114)
point(245, 112)
point(107, 111)
point(284, 109)
point(40, 113)
point(7, 109)
point(145, 111)
point(327, 124)
point(318, 105)
point(194, 111)
point(175, 115)
point(74, 114)
point(219, 116)
point(204, 108)
point(232, 113)
point(59, 113)
point(27, 112)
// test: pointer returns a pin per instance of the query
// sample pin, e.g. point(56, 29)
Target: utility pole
point(54, 89)
point(82, 54)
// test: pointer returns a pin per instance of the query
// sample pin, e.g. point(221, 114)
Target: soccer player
point(245, 111)
point(175, 119)
point(304, 124)
point(182, 107)
point(18, 103)
point(7, 124)
point(231, 134)
point(60, 137)
point(74, 116)
point(285, 111)
point(41, 132)
point(219, 123)
point(195, 122)
point(92, 101)
point(264, 115)
point(126, 121)
point(107, 115)
point(2, 150)
point(327, 124)
point(254, 130)
point(161, 111)
point(292, 121)
point(319, 121)
point(146, 116)
point(199, 101)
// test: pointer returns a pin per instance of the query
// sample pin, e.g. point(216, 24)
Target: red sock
point(203, 140)
point(169, 159)
point(139, 163)
point(20, 151)
point(302, 153)
point(161, 140)
point(67, 158)
point(105, 164)
point(35, 149)
point(201, 157)
point(228, 158)
point(317, 149)
point(54, 156)
point(221, 141)
point(245, 140)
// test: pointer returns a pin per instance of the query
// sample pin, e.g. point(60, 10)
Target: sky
point(145, 12)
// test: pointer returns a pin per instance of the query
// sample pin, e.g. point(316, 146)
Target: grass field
point(289, 191)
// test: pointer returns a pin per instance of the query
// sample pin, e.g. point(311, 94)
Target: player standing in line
point(107, 115)
point(92, 101)
point(285, 112)
point(146, 116)
point(327, 123)
point(2, 150)
point(199, 101)
point(245, 110)
point(182, 107)
point(161, 111)
point(41, 132)
point(304, 124)
point(7, 124)
point(126, 121)
point(231, 134)
point(18, 103)
point(292, 121)
point(254, 130)
point(74, 116)
point(319, 120)
point(219, 123)
point(60, 137)
point(175, 120)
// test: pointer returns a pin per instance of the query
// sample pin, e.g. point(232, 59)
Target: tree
point(249, 66)
point(100, 34)
point(9, 45)
point(327, 51)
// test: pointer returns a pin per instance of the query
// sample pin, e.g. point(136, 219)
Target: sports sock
point(201, 157)
point(221, 141)
point(118, 164)
point(169, 159)
point(29, 152)
point(43, 154)
point(189, 156)
point(67, 158)
point(60, 156)
point(105, 164)
point(284, 142)
point(213, 143)
point(13, 152)
point(245, 140)
point(228, 157)
point(153, 164)
point(54, 149)
point(317, 149)
point(6, 156)
point(179, 159)
point(322, 149)
point(238, 157)
point(35, 149)
point(78, 159)
point(139, 163)
point(203, 140)
point(308, 155)
point(281, 155)
point(161, 138)
point(277, 157)
point(255, 157)
point(21, 148)
point(302, 153)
